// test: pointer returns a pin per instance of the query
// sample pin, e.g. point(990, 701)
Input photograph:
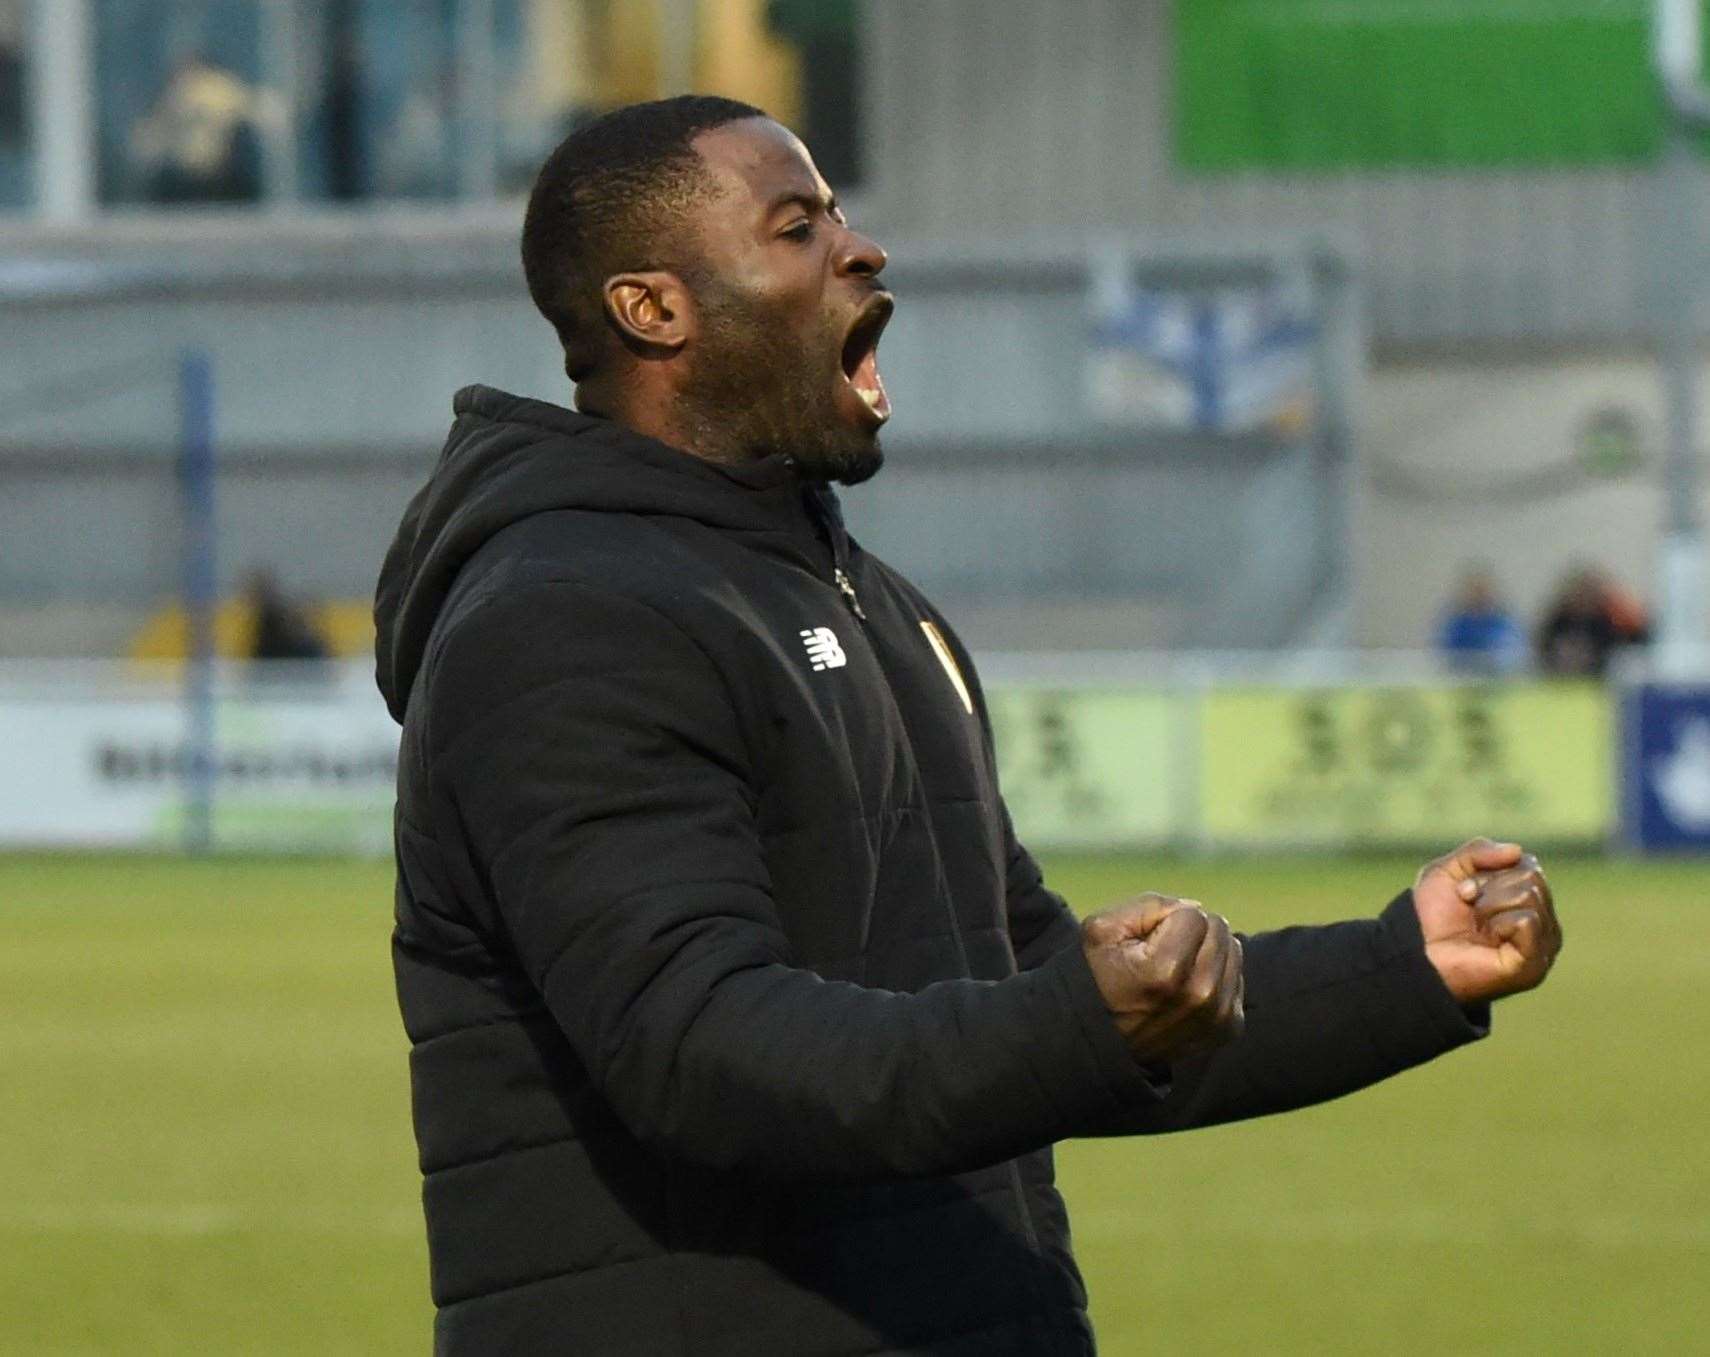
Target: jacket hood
point(507, 458)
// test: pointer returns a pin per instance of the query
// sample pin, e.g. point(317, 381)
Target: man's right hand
point(1170, 974)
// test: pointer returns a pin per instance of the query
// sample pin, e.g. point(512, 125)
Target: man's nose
point(860, 256)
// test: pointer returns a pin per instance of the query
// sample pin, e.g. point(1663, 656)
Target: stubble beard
point(750, 396)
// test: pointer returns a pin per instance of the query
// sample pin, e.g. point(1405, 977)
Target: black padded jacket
point(741, 1023)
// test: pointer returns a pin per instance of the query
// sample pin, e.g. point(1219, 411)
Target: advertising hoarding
point(1405, 765)
point(1093, 768)
point(1666, 773)
point(292, 773)
point(1083, 767)
point(1323, 85)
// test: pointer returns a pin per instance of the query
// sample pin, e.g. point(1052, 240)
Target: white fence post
point(62, 109)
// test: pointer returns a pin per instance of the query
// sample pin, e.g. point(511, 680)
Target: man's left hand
point(1488, 920)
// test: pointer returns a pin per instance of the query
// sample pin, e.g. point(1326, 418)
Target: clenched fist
point(1170, 974)
point(1488, 919)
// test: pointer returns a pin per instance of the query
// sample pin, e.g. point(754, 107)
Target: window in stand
point(397, 98)
point(184, 113)
point(198, 96)
point(410, 112)
point(542, 61)
point(427, 100)
point(558, 63)
point(16, 169)
point(377, 98)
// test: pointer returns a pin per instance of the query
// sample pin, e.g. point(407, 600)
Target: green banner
point(1093, 768)
point(1351, 767)
point(1321, 85)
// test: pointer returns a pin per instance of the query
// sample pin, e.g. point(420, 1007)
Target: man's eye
point(801, 231)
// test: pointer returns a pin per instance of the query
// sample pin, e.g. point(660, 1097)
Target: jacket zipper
point(831, 530)
point(846, 587)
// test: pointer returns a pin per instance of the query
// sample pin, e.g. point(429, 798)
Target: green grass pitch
point(204, 1140)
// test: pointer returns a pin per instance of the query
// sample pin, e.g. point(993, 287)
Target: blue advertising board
point(1666, 774)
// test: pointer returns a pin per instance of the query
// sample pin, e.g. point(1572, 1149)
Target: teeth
point(871, 395)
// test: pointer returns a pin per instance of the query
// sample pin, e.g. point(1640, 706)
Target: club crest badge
point(941, 648)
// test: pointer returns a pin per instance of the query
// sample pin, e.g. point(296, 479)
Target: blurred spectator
point(1626, 613)
point(1479, 635)
point(11, 91)
point(1591, 618)
point(201, 142)
point(282, 632)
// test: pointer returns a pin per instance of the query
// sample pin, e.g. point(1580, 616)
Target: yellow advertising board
point(1094, 768)
point(1406, 765)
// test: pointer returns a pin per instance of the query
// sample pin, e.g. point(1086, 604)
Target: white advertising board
point(297, 769)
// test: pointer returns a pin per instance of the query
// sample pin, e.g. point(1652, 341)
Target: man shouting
point(742, 1023)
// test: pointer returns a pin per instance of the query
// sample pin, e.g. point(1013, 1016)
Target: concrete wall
point(1474, 461)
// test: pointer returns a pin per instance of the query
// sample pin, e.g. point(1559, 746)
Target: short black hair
point(604, 202)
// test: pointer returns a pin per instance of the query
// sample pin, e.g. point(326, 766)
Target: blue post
point(198, 585)
point(1206, 368)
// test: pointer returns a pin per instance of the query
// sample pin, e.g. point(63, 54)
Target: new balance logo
point(823, 648)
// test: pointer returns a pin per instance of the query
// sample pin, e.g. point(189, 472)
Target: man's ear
point(652, 312)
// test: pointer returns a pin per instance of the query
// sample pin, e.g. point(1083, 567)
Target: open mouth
point(861, 357)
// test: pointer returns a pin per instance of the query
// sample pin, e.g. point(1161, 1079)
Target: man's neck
point(666, 418)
